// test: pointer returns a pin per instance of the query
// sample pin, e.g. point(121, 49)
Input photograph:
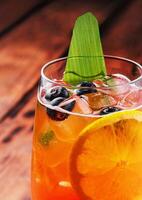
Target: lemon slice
point(106, 160)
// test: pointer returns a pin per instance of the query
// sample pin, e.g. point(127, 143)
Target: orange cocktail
point(88, 138)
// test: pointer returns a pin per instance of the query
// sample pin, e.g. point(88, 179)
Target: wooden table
point(32, 33)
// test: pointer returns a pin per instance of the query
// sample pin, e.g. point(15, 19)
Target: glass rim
point(106, 56)
point(92, 115)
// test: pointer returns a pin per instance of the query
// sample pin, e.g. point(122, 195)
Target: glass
point(56, 128)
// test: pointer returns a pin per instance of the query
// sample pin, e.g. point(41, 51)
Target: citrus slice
point(106, 160)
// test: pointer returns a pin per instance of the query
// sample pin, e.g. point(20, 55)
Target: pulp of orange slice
point(106, 160)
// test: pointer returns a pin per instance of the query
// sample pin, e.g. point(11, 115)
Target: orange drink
point(87, 142)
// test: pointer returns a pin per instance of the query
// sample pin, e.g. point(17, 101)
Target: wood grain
point(12, 10)
point(15, 155)
point(123, 38)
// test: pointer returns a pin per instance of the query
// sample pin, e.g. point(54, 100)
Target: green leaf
point(46, 137)
point(85, 58)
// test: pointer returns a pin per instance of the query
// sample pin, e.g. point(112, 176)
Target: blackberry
point(55, 92)
point(87, 84)
point(88, 87)
point(57, 115)
point(108, 110)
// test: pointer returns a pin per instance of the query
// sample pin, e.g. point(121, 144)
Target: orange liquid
point(52, 146)
point(50, 160)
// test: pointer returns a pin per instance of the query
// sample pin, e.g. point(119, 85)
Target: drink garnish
point(46, 137)
point(85, 58)
point(106, 161)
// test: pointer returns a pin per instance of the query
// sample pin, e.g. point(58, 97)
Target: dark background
point(32, 33)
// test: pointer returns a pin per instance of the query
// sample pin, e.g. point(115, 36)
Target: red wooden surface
point(12, 10)
point(43, 36)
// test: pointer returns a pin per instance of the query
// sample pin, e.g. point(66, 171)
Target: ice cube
point(119, 84)
point(99, 100)
point(132, 99)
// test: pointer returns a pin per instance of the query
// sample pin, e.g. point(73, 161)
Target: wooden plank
point(13, 10)
point(15, 155)
point(43, 37)
point(124, 36)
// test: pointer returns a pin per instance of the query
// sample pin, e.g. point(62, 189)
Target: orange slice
point(106, 160)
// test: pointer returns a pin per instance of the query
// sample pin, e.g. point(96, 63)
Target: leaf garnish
point(85, 58)
point(46, 137)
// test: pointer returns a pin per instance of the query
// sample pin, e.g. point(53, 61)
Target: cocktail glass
point(57, 128)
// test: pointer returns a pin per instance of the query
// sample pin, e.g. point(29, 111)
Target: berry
point(88, 87)
point(85, 91)
point(57, 101)
point(69, 106)
point(87, 84)
point(108, 110)
point(55, 92)
point(56, 115)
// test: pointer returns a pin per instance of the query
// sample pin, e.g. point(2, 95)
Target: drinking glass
point(58, 124)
